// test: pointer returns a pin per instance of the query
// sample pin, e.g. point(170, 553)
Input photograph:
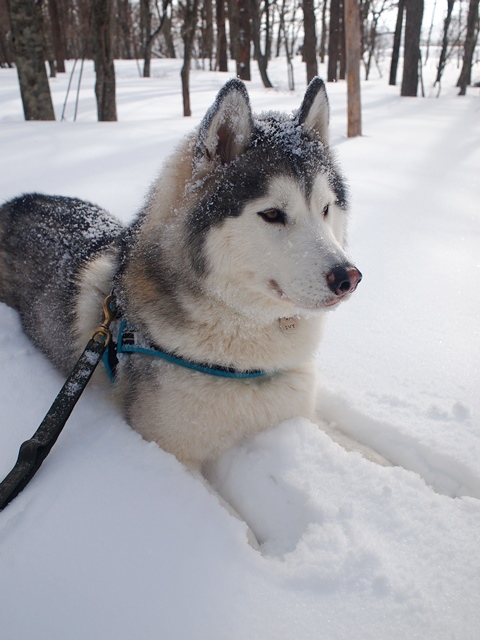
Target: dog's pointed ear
point(226, 129)
point(314, 112)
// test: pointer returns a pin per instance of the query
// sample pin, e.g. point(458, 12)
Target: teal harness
point(127, 343)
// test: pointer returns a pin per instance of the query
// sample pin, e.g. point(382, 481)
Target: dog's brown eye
point(325, 210)
point(273, 215)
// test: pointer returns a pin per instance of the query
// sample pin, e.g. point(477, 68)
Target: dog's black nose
point(342, 280)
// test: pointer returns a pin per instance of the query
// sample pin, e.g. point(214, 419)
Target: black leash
point(34, 451)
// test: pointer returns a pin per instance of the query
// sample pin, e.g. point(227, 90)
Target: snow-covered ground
point(113, 539)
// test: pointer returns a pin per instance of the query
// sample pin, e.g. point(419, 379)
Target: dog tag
point(288, 325)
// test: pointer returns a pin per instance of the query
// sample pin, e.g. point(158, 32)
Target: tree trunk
point(333, 41)
point(6, 55)
point(342, 58)
point(397, 39)
point(125, 29)
point(310, 40)
point(26, 23)
point(429, 39)
point(151, 36)
point(411, 56)
point(167, 34)
point(268, 35)
point(58, 36)
point(222, 61)
point(47, 41)
point(148, 42)
point(207, 32)
point(244, 39)
point(323, 37)
point(262, 59)
point(465, 78)
point(104, 67)
point(188, 35)
point(353, 54)
point(443, 53)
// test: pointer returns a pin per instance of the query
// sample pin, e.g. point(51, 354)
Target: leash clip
point(102, 332)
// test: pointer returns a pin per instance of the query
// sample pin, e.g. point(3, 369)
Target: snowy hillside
point(114, 540)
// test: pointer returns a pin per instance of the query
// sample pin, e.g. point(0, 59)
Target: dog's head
point(267, 233)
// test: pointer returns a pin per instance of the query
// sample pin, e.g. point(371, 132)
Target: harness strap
point(127, 343)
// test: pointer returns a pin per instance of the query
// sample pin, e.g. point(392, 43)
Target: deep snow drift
point(114, 539)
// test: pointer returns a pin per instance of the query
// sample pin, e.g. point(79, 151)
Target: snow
point(115, 539)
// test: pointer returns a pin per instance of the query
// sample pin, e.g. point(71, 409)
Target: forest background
point(347, 34)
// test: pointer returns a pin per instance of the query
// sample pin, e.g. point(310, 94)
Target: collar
point(129, 341)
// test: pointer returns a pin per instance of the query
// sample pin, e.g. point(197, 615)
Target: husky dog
point(225, 275)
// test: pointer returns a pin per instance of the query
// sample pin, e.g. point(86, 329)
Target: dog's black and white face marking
point(268, 235)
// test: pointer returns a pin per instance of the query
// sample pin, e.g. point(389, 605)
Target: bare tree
point(429, 39)
point(151, 34)
point(353, 49)
point(444, 50)
point(6, 54)
point(125, 45)
point(261, 55)
point(189, 11)
point(58, 35)
point(222, 61)
point(397, 39)
point(370, 39)
point(310, 40)
point(104, 67)
point(206, 39)
point(47, 41)
point(471, 36)
point(244, 38)
point(411, 56)
point(26, 22)
point(335, 44)
point(323, 37)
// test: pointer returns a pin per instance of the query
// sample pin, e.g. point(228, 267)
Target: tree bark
point(148, 42)
point(244, 39)
point(353, 54)
point(125, 35)
point(397, 39)
point(6, 55)
point(222, 60)
point(465, 78)
point(443, 53)
point(262, 58)
point(58, 36)
point(411, 56)
point(104, 67)
point(150, 36)
point(168, 36)
point(310, 40)
point(188, 35)
point(323, 37)
point(342, 57)
point(207, 32)
point(26, 23)
point(333, 41)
